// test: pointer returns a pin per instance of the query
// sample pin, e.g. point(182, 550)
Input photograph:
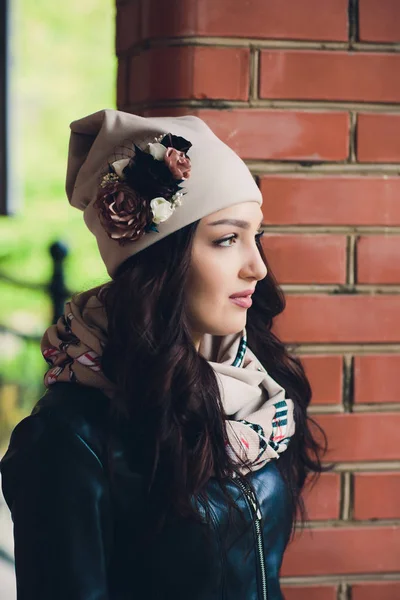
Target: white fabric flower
point(119, 166)
point(161, 209)
point(157, 150)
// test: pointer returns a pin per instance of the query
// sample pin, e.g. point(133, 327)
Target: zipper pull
point(256, 507)
point(255, 504)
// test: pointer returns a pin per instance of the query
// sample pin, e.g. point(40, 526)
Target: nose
point(254, 267)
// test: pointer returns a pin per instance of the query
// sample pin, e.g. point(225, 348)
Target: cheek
point(209, 308)
point(207, 284)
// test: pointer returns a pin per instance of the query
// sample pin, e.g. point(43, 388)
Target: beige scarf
point(260, 418)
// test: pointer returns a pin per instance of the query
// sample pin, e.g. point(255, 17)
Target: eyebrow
point(234, 222)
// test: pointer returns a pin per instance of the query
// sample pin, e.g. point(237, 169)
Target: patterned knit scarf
point(260, 419)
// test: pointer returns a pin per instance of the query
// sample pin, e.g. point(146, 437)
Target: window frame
point(5, 208)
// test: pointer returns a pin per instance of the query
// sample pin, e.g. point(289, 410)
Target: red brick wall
point(308, 93)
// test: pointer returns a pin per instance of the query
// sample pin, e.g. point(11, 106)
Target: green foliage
point(63, 68)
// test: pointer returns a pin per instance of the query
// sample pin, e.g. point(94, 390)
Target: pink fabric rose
point(122, 212)
point(178, 163)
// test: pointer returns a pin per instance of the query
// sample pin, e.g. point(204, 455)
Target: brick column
point(308, 92)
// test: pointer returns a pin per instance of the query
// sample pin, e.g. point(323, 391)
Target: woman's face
point(225, 263)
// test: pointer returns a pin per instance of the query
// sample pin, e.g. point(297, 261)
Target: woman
point(150, 467)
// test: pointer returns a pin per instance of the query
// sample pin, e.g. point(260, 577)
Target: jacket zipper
point(257, 518)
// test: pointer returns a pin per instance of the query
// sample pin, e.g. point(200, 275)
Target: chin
point(227, 328)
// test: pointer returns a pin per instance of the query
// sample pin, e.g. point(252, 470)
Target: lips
point(242, 294)
point(242, 299)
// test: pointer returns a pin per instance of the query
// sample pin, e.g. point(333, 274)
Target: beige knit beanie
point(139, 179)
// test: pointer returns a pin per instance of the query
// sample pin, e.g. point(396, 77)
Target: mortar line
point(334, 229)
point(352, 249)
point(274, 103)
point(352, 136)
point(254, 75)
point(344, 591)
point(339, 168)
point(348, 508)
point(348, 383)
point(341, 290)
point(324, 105)
point(337, 579)
point(333, 349)
point(343, 496)
point(262, 43)
point(336, 524)
point(367, 466)
point(353, 22)
point(377, 407)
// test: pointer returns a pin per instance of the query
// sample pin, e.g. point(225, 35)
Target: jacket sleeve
point(57, 491)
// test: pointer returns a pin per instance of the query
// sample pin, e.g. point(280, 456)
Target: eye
point(226, 242)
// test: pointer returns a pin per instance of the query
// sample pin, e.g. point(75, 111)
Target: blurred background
point(307, 92)
point(61, 66)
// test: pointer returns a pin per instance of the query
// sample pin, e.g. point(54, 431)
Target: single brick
point(383, 590)
point(128, 25)
point(361, 436)
point(327, 200)
point(323, 500)
point(337, 551)
point(379, 22)
point(376, 378)
point(317, 592)
point(281, 134)
point(377, 495)
point(122, 82)
point(307, 258)
point(319, 75)
point(378, 137)
point(177, 72)
point(325, 373)
point(378, 259)
point(305, 20)
point(339, 319)
point(170, 111)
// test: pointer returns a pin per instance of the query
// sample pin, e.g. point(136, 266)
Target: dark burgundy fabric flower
point(123, 212)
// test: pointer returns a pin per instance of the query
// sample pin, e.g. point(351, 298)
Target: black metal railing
point(55, 288)
point(57, 292)
point(22, 378)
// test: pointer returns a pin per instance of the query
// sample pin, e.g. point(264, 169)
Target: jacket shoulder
point(80, 409)
point(74, 404)
point(57, 489)
point(68, 414)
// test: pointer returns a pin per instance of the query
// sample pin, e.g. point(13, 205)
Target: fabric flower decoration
point(157, 150)
point(161, 209)
point(124, 214)
point(141, 192)
point(178, 163)
point(119, 166)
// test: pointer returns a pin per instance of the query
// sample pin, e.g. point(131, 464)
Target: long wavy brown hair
point(171, 390)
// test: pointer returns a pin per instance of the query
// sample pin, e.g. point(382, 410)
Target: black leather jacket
point(77, 528)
